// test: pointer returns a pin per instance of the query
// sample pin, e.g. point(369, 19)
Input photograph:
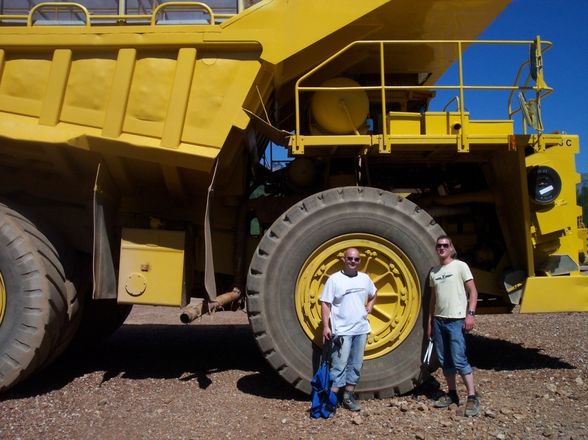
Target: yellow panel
point(86, 96)
point(24, 92)
point(219, 88)
point(404, 123)
point(23, 106)
point(555, 294)
point(443, 123)
point(550, 219)
point(83, 116)
point(561, 216)
point(151, 269)
point(31, 85)
point(144, 128)
point(491, 127)
point(299, 32)
point(150, 91)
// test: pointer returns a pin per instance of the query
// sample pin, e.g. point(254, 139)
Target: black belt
point(448, 319)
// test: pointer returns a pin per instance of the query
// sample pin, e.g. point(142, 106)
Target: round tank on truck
point(289, 269)
point(340, 111)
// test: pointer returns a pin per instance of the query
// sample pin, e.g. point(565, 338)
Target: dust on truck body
point(136, 168)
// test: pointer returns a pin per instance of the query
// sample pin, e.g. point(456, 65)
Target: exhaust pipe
point(223, 300)
point(191, 312)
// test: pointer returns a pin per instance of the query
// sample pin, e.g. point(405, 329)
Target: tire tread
point(42, 291)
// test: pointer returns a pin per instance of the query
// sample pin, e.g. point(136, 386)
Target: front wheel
point(301, 249)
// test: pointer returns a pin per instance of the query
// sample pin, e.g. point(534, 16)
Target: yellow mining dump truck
point(138, 165)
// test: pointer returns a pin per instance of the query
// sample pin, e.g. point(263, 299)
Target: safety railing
point(77, 14)
point(530, 109)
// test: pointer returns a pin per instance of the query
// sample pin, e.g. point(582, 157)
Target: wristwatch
point(472, 312)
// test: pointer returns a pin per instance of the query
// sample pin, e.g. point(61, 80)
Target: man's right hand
point(326, 334)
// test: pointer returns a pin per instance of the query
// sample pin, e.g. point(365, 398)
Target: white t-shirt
point(448, 281)
point(348, 296)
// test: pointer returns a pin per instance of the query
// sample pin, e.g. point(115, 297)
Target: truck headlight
point(544, 184)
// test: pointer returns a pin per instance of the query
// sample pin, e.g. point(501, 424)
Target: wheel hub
point(397, 306)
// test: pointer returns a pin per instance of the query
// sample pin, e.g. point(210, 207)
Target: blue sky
point(565, 24)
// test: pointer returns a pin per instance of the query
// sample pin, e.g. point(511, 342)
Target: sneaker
point(350, 403)
point(472, 407)
point(445, 400)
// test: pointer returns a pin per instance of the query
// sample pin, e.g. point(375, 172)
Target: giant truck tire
point(396, 241)
point(33, 298)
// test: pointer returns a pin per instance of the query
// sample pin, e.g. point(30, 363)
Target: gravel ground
point(157, 379)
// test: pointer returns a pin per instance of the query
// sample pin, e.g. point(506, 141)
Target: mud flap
point(104, 277)
point(209, 280)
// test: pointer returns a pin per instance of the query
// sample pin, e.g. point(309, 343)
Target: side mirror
point(536, 60)
point(533, 60)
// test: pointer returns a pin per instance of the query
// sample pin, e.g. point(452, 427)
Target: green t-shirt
point(448, 281)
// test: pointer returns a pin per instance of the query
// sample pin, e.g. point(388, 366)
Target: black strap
point(327, 349)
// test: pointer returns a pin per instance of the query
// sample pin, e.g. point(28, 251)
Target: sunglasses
point(355, 259)
point(442, 245)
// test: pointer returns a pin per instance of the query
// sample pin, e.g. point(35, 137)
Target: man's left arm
point(472, 292)
point(370, 304)
point(371, 299)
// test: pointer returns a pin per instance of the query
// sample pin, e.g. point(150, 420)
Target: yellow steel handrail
point(540, 88)
point(119, 18)
point(58, 5)
point(198, 5)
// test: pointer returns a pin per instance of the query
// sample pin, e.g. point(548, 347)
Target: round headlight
point(544, 184)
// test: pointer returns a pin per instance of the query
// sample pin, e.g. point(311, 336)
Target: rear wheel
point(33, 298)
point(289, 269)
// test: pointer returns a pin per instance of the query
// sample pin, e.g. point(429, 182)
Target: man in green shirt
point(451, 314)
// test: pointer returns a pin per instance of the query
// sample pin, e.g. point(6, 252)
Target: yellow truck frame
point(137, 167)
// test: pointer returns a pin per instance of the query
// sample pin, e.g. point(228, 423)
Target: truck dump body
point(171, 94)
point(137, 143)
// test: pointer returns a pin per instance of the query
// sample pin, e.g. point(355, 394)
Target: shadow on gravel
point(497, 354)
point(194, 352)
point(268, 385)
point(165, 352)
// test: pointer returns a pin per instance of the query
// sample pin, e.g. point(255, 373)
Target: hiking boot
point(445, 400)
point(472, 407)
point(350, 403)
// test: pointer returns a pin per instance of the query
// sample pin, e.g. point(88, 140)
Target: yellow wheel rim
point(399, 301)
point(2, 298)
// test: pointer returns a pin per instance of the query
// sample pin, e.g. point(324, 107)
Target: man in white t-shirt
point(346, 301)
point(451, 313)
